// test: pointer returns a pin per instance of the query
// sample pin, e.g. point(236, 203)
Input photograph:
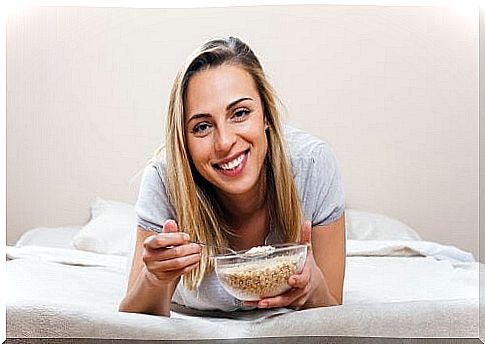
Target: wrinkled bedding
point(392, 289)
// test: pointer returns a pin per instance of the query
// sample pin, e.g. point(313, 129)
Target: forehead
point(214, 88)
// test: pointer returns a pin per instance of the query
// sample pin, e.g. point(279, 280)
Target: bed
point(66, 282)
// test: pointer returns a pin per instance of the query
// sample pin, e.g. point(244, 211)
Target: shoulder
point(154, 177)
point(155, 170)
point(304, 148)
point(316, 174)
point(153, 206)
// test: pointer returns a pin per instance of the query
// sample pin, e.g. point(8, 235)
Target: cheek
point(199, 152)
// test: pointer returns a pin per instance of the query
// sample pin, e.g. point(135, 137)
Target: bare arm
point(328, 247)
point(321, 282)
point(158, 263)
point(143, 294)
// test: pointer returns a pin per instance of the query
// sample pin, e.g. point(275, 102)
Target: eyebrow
point(231, 104)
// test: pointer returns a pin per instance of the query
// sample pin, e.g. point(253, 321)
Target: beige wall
point(393, 89)
point(482, 150)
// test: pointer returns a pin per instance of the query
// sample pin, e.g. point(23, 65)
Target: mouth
point(234, 166)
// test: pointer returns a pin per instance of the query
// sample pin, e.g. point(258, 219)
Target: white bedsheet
point(402, 248)
point(66, 256)
point(54, 292)
point(366, 248)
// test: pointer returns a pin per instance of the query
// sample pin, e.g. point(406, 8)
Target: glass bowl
point(252, 276)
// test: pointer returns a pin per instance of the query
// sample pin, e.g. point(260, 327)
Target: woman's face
point(225, 128)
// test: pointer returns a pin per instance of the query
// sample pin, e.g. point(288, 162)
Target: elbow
point(124, 307)
point(338, 300)
point(333, 301)
point(333, 304)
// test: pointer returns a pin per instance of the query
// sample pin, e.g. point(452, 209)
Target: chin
point(237, 188)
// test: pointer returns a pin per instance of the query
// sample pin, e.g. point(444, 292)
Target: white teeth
point(232, 164)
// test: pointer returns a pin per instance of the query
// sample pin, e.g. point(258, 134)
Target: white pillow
point(111, 229)
point(361, 225)
point(49, 236)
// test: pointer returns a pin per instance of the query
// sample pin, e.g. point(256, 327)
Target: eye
point(201, 128)
point(240, 114)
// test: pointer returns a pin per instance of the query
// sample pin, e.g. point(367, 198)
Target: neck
point(247, 204)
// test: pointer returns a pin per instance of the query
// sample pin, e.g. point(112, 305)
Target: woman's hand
point(169, 254)
point(306, 286)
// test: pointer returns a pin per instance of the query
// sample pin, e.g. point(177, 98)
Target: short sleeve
point(317, 179)
point(152, 206)
point(326, 193)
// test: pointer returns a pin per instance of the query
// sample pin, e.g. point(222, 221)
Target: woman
point(233, 177)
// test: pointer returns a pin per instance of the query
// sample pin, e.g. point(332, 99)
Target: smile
point(234, 166)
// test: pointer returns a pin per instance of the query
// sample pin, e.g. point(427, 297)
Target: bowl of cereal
point(261, 271)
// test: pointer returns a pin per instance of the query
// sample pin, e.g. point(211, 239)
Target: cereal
point(259, 250)
point(255, 280)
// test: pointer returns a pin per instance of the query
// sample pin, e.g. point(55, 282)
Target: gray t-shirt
point(319, 187)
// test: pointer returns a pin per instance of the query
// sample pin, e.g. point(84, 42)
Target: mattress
point(392, 289)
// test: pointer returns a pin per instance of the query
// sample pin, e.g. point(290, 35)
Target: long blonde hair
point(197, 210)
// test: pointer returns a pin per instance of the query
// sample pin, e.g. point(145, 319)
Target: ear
point(266, 125)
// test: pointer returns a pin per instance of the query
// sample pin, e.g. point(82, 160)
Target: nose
point(224, 140)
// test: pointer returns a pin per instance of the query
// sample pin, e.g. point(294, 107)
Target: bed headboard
point(393, 89)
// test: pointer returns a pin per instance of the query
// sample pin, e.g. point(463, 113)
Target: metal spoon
point(223, 247)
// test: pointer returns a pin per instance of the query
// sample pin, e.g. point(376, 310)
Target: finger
point(306, 233)
point(282, 300)
point(300, 280)
point(171, 252)
point(190, 268)
point(299, 302)
point(166, 276)
point(165, 239)
point(177, 263)
point(170, 226)
point(173, 274)
point(251, 303)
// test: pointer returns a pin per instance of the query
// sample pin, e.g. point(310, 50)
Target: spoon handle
point(223, 247)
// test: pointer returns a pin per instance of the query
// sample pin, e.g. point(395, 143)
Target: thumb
point(170, 226)
point(306, 233)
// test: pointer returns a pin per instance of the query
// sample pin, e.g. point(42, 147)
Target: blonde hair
point(197, 210)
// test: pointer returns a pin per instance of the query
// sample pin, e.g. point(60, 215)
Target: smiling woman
point(229, 139)
point(233, 176)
